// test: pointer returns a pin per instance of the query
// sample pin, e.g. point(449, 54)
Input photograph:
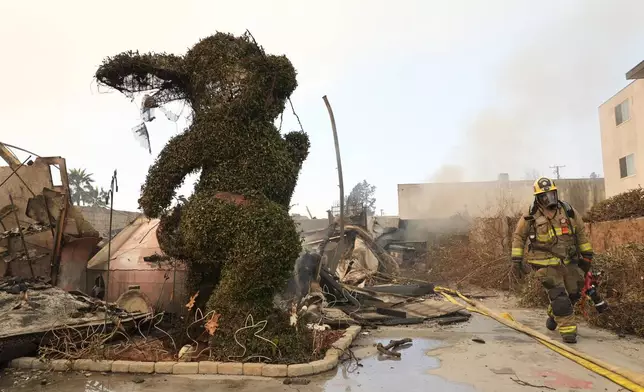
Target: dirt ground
point(439, 359)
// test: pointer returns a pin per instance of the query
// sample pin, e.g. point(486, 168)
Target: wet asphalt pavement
point(374, 373)
point(439, 359)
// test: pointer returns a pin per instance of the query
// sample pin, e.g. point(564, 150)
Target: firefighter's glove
point(601, 307)
point(585, 262)
point(517, 264)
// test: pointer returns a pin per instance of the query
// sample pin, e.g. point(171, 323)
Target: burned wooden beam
point(391, 312)
point(402, 321)
point(408, 290)
point(453, 319)
point(8, 156)
point(386, 350)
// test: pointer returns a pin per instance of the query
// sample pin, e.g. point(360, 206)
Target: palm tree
point(80, 184)
point(97, 198)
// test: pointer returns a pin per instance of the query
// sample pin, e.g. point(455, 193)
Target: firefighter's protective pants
point(563, 284)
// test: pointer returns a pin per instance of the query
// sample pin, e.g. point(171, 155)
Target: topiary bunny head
point(234, 73)
point(223, 72)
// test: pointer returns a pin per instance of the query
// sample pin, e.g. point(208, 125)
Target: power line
point(555, 170)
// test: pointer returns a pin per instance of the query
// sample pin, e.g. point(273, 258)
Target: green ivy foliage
point(247, 242)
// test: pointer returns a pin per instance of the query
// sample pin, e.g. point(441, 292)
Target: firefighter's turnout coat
point(550, 241)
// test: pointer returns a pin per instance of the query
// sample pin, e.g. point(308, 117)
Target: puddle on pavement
point(60, 382)
point(95, 386)
point(78, 382)
point(410, 372)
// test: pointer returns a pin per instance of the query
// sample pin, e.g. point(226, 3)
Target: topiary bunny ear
point(132, 72)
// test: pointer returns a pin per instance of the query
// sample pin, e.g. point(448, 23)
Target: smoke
point(448, 173)
point(542, 108)
point(547, 94)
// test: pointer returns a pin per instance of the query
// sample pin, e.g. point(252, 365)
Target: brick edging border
point(329, 362)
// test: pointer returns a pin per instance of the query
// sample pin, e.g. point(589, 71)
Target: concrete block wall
point(488, 199)
point(99, 218)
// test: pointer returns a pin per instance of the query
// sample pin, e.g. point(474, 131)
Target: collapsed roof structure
point(43, 234)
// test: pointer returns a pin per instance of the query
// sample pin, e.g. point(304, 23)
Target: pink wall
point(162, 282)
point(605, 235)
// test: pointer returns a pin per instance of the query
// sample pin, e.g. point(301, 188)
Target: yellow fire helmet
point(543, 185)
point(545, 191)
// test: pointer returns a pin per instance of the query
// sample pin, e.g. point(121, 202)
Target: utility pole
point(555, 170)
point(114, 187)
point(339, 249)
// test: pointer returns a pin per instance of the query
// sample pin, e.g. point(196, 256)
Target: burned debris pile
point(41, 233)
point(17, 285)
point(45, 243)
point(35, 316)
point(30, 229)
point(354, 281)
point(333, 304)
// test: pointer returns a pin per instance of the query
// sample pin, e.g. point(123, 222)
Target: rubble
point(360, 265)
point(42, 233)
point(17, 285)
point(33, 308)
point(30, 229)
point(410, 290)
point(365, 304)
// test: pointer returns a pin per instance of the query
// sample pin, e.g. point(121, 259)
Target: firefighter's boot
point(568, 333)
point(569, 338)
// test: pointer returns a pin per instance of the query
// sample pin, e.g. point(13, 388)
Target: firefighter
point(558, 250)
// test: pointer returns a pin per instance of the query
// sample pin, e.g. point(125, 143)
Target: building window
point(622, 112)
point(627, 166)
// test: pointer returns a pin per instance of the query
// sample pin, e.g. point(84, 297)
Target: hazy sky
point(487, 86)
